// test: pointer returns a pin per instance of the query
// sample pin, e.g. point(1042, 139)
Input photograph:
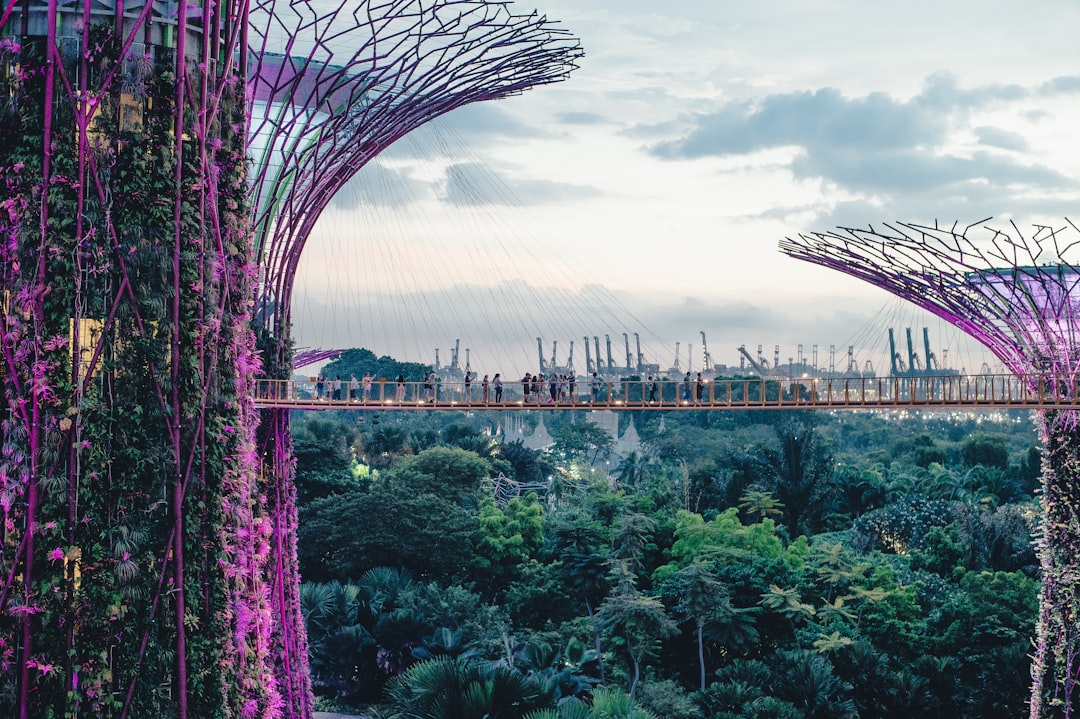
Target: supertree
point(141, 562)
point(340, 89)
point(1019, 296)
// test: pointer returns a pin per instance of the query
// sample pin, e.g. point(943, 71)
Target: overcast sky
point(648, 192)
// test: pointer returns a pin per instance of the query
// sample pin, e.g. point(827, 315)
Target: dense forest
point(732, 564)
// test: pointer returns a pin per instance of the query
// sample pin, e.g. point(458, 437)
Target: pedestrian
point(594, 385)
point(367, 387)
point(526, 386)
point(573, 391)
point(700, 387)
point(497, 381)
point(468, 386)
point(538, 387)
point(320, 382)
point(686, 388)
point(400, 392)
point(485, 390)
point(653, 387)
point(336, 387)
point(354, 388)
point(553, 388)
point(429, 386)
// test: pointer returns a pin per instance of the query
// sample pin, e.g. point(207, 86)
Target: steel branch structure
point(1020, 297)
point(147, 558)
point(347, 84)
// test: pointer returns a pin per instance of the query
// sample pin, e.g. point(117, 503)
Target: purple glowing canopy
point(332, 87)
point(1014, 293)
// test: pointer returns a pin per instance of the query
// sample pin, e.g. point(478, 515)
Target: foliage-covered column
point(135, 531)
point(1057, 645)
point(290, 634)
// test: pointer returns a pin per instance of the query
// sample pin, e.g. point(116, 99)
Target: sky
point(648, 192)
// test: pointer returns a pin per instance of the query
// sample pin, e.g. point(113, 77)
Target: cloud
point(820, 121)
point(581, 118)
point(476, 184)
point(888, 151)
point(996, 137)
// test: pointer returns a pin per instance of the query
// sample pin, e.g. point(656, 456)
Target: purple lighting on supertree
point(1018, 295)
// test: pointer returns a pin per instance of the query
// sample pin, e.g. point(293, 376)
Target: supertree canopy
point(344, 86)
point(1018, 295)
point(147, 565)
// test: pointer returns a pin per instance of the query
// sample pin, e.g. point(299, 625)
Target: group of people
point(553, 389)
point(556, 389)
point(359, 390)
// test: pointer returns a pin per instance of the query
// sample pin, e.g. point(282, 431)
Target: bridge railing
point(740, 393)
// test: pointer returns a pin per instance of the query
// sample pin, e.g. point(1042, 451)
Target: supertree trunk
point(290, 634)
point(132, 574)
point(1056, 659)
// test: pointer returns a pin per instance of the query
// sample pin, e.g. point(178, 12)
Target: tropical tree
point(582, 442)
point(699, 595)
point(639, 620)
point(760, 505)
point(797, 471)
point(581, 549)
point(508, 536)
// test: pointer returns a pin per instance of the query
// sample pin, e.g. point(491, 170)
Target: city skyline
point(649, 191)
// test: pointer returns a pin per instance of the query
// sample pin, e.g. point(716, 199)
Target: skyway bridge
point(927, 392)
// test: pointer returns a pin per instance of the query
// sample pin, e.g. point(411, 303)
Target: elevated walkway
point(955, 391)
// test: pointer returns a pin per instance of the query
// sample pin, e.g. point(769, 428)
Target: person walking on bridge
point(367, 387)
point(354, 388)
point(468, 386)
point(485, 390)
point(686, 388)
point(497, 381)
point(400, 392)
point(526, 386)
point(595, 386)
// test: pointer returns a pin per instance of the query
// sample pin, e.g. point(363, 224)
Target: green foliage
point(508, 537)
point(887, 616)
point(988, 450)
point(445, 688)
point(359, 361)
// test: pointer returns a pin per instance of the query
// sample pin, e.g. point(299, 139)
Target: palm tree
point(797, 470)
point(445, 688)
point(606, 704)
point(786, 602)
point(760, 504)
